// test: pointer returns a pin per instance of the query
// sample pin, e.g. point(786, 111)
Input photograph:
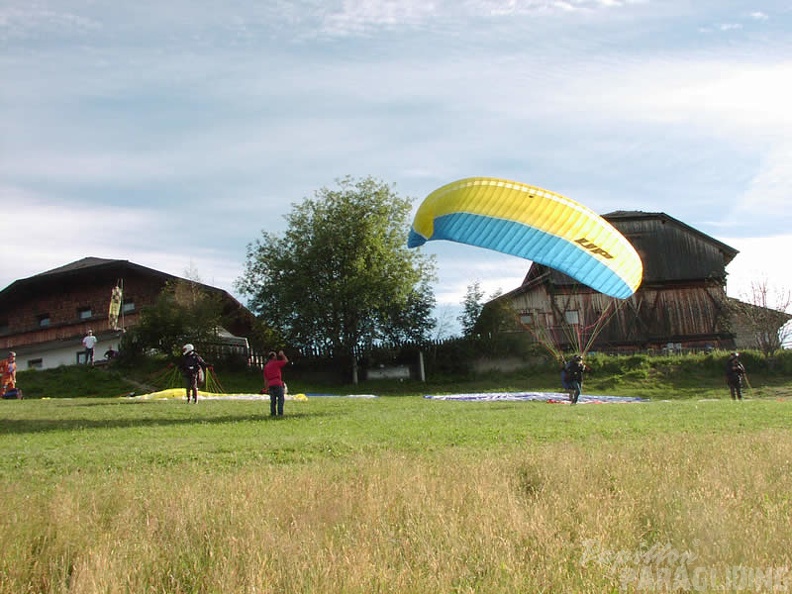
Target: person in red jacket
point(273, 381)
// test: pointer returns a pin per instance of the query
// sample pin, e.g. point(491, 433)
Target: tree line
point(340, 279)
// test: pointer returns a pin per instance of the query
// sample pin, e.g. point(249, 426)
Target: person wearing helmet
point(192, 366)
point(735, 372)
point(572, 377)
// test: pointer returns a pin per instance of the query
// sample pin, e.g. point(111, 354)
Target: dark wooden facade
point(53, 310)
point(681, 303)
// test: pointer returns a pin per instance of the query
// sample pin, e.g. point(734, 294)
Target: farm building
point(44, 318)
point(680, 305)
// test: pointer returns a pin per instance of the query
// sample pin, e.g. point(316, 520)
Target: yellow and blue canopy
point(533, 223)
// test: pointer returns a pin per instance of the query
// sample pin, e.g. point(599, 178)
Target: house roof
point(22, 288)
point(89, 265)
point(89, 262)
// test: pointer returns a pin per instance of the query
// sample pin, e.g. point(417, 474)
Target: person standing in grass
point(89, 342)
point(192, 366)
point(273, 381)
point(735, 372)
point(572, 377)
point(8, 374)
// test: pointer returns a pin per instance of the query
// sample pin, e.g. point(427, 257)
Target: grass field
point(396, 494)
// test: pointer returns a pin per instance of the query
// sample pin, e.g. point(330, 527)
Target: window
point(35, 363)
point(526, 318)
point(128, 306)
point(571, 317)
point(84, 313)
point(43, 320)
point(82, 358)
point(4, 327)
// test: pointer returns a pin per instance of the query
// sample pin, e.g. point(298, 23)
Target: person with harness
point(735, 372)
point(572, 377)
point(192, 367)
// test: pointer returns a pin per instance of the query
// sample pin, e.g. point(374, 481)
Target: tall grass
point(393, 495)
point(554, 518)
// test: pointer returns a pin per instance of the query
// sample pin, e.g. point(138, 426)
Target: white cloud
point(770, 191)
point(729, 26)
point(88, 166)
point(760, 259)
point(459, 266)
point(724, 97)
point(242, 108)
point(357, 16)
point(32, 20)
point(363, 17)
point(47, 234)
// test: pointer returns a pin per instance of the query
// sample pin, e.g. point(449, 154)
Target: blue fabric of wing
point(527, 242)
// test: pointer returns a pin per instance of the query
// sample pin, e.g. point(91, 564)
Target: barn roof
point(671, 251)
point(621, 219)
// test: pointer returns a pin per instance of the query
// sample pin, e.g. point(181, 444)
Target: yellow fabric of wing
point(536, 207)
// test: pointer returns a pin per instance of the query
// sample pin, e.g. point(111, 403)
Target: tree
point(444, 326)
point(472, 305)
point(497, 315)
point(183, 312)
point(341, 276)
point(485, 319)
point(763, 314)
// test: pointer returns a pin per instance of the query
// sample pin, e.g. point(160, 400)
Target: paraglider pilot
point(572, 377)
point(735, 371)
point(192, 367)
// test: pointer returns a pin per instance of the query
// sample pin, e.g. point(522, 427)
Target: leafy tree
point(480, 319)
point(763, 315)
point(445, 326)
point(183, 312)
point(341, 276)
point(472, 305)
point(497, 315)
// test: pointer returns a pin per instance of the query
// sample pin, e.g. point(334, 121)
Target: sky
point(172, 133)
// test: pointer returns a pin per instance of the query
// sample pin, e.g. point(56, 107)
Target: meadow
point(397, 494)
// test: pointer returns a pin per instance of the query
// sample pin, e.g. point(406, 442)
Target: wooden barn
point(681, 304)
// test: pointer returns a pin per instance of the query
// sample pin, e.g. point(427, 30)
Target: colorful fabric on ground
point(175, 393)
point(550, 397)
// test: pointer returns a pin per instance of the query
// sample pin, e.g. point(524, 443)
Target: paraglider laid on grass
point(532, 223)
point(171, 378)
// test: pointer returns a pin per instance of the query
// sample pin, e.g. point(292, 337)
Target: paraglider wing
point(116, 296)
point(529, 222)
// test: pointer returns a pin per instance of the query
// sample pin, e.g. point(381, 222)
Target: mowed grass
point(394, 494)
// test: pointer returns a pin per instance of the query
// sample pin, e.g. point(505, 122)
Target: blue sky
point(172, 132)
